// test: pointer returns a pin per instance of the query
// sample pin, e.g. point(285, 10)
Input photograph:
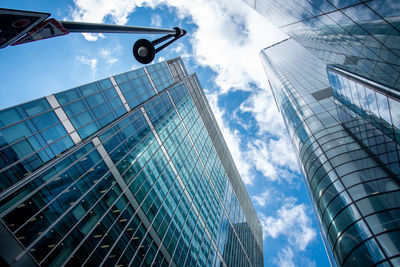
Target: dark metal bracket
point(144, 51)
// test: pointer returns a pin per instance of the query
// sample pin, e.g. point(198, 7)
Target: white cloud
point(285, 258)
point(177, 48)
point(291, 221)
point(272, 153)
point(98, 11)
point(156, 20)
point(263, 198)
point(274, 158)
point(288, 257)
point(92, 36)
point(112, 61)
point(105, 53)
point(262, 105)
point(161, 59)
point(229, 24)
point(107, 56)
point(92, 63)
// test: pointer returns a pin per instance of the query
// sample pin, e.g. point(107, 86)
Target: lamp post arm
point(73, 26)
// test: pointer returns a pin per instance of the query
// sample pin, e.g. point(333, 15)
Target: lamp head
point(144, 51)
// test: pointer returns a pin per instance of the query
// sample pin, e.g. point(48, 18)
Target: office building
point(361, 37)
point(371, 113)
point(339, 100)
point(131, 170)
point(346, 137)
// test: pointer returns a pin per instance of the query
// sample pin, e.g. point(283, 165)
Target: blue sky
point(222, 46)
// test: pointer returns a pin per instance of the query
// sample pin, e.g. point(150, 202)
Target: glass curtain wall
point(357, 200)
point(124, 172)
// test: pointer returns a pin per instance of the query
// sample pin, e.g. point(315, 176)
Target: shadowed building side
point(362, 37)
point(356, 196)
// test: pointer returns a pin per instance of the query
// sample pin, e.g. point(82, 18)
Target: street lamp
point(19, 27)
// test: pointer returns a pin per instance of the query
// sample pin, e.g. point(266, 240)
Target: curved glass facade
point(357, 197)
point(358, 36)
point(143, 177)
point(370, 112)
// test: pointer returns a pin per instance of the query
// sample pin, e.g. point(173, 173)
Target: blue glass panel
point(36, 107)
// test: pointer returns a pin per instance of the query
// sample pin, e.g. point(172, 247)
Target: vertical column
point(170, 72)
point(111, 166)
point(119, 92)
point(153, 130)
point(64, 119)
point(150, 79)
point(121, 182)
point(183, 67)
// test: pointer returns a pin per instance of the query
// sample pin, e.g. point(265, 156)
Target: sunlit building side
point(131, 170)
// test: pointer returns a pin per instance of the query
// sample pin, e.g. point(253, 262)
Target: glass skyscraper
point(336, 81)
point(371, 113)
point(349, 160)
point(362, 37)
point(131, 170)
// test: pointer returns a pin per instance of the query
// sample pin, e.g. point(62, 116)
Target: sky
point(222, 46)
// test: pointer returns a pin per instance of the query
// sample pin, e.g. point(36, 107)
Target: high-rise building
point(336, 82)
point(131, 170)
point(346, 137)
point(361, 37)
point(371, 114)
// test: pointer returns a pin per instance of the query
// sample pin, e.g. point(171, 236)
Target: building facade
point(361, 37)
point(349, 155)
point(131, 170)
point(371, 113)
point(342, 115)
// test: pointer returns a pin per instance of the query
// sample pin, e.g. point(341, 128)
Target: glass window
point(53, 133)
point(378, 202)
point(373, 107)
point(105, 83)
point(75, 108)
point(89, 89)
point(62, 145)
point(373, 187)
point(384, 221)
point(351, 238)
point(395, 112)
point(9, 116)
point(383, 107)
point(95, 100)
point(365, 255)
point(336, 205)
point(35, 107)
point(341, 221)
point(14, 133)
point(67, 96)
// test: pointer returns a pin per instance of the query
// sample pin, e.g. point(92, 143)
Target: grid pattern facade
point(139, 182)
point(356, 199)
point(371, 113)
point(358, 36)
